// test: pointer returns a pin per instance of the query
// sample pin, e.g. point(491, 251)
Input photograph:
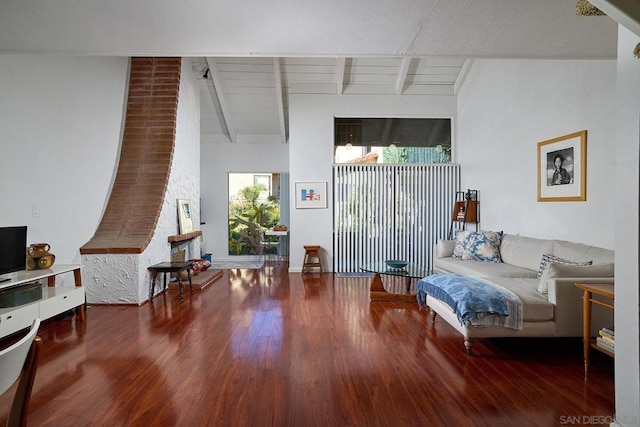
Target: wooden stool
point(170, 267)
point(309, 253)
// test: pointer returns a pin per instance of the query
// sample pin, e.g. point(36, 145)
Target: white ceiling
point(260, 51)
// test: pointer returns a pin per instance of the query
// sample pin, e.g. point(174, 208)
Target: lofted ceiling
point(249, 56)
point(246, 99)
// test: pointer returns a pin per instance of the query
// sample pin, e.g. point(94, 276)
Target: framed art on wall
point(311, 195)
point(562, 168)
point(185, 221)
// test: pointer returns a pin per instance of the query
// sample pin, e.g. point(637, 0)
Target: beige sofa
point(556, 313)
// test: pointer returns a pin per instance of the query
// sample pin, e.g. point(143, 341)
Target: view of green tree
point(394, 155)
point(249, 217)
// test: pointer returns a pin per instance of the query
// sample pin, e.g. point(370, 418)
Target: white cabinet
point(15, 318)
point(60, 299)
point(55, 299)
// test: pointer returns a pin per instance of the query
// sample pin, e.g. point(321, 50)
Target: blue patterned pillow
point(548, 259)
point(482, 246)
point(460, 245)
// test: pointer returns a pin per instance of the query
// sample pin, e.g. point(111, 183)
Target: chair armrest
point(567, 298)
point(444, 248)
point(563, 288)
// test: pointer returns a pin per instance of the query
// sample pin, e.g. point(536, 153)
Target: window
point(265, 181)
point(392, 140)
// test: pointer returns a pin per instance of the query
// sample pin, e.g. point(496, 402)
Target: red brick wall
point(136, 200)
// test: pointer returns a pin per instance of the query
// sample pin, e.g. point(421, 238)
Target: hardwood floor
point(267, 348)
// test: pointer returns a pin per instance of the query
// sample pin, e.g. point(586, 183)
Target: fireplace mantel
point(183, 237)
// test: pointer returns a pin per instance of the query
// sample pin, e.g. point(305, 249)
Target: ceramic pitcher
point(39, 257)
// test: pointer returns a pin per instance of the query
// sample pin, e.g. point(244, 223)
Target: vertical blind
point(384, 211)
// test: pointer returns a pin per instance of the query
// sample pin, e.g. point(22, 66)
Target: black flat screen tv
point(13, 250)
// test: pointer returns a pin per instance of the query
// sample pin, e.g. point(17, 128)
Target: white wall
point(216, 162)
point(311, 154)
point(61, 121)
point(504, 109)
point(627, 375)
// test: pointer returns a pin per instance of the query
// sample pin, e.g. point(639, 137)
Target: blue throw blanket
point(474, 301)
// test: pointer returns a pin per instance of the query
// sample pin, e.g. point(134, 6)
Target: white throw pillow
point(548, 259)
point(555, 270)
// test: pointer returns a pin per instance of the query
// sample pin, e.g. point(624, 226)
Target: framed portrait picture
point(562, 168)
point(185, 221)
point(311, 195)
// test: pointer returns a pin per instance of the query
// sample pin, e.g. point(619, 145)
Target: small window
point(392, 140)
point(264, 180)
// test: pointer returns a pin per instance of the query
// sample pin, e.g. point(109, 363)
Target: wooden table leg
point(586, 327)
point(152, 285)
point(77, 278)
point(190, 282)
point(180, 285)
point(378, 293)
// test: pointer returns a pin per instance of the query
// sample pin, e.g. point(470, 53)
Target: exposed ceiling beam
point(224, 105)
point(402, 74)
point(277, 71)
point(625, 12)
point(217, 111)
point(462, 75)
point(341, 68)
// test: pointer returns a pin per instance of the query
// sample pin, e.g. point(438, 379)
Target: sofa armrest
point(567, 299)
point(444, 248)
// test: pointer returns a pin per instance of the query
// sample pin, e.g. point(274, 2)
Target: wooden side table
point(170, 267)
point(602, 289)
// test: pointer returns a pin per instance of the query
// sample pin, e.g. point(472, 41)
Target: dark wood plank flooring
point(267, 348)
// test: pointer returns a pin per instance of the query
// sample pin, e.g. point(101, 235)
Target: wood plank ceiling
point(246, 99)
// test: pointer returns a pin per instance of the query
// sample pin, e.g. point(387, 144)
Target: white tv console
point(55, 299)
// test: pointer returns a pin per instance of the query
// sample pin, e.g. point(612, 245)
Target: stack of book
point(606, 339)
